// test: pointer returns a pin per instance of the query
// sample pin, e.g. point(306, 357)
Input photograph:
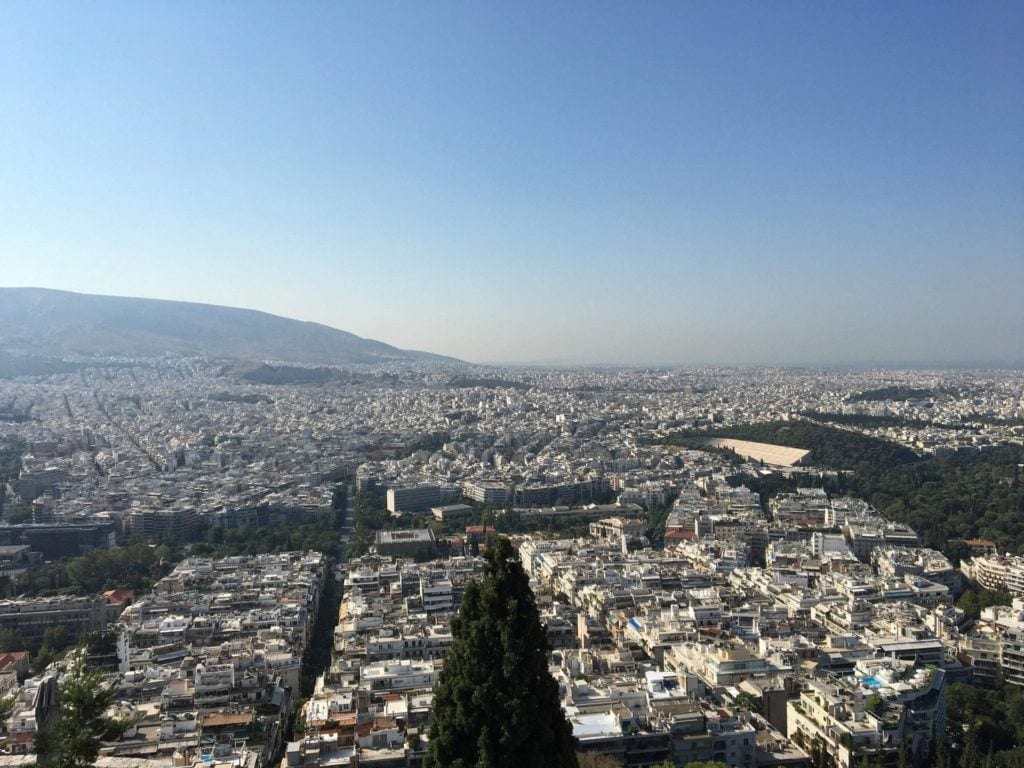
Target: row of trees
point(870, 421)
point(657, 517)
point(138, 564)
point(318, 653)
point(10, 466)
point(135, 566)
point(321, 536)
point(371, 515)
point(594, 760)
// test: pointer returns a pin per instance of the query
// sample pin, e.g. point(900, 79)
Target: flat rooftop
point(417, 535)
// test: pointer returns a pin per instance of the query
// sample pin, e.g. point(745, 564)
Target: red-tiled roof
point(8, 660)
point(119, 595)
point(677, 534)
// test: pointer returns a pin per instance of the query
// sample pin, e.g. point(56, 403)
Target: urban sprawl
point(690, 617)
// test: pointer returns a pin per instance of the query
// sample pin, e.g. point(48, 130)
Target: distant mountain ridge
point(46, 322)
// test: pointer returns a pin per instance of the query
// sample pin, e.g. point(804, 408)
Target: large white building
point(414, 498)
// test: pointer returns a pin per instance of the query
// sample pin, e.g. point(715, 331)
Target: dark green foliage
point(359, 543)
point(970, 494)
point(10, 460)
point(18, 513)
point(596, 760)
point(974, 600)
point(339, 503)
point(55, 640)
point(749, 702)
point(495, 704)
point(371, 515)
point(262, 539)
point(136, 566)
point(511, 520)
point(274, 375)
point(970, 755)
point(873, 704)
point(101, 648)
point(7, 706)
point(82, 722)
point(830, 447)
point(1012, 421)
point(10, 466)
point(872, 422)
point(11, 640)
point(657, 517)
point(564, 526)
point(941, 757)
point(894, 393)
point(1011, 758)
point(318, 653)
point(981, 721)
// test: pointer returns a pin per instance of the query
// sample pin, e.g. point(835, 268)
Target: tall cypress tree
point(495, 704)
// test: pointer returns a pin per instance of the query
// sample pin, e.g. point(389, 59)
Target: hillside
point(830, 448)
point(43, 322)
point(29, 365)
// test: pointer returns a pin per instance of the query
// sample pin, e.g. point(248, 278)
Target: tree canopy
point(970, 494)
point(830, 447)
point(82, 722)
point(496, 705)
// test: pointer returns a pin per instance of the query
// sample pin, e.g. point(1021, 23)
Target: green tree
point(6, 707)
point(82, 723)
point(971, 755)
point(972, 602)
point(11, 640)
point(940, 757)
point(19, 513)
point(496, 705)
point(43, 658)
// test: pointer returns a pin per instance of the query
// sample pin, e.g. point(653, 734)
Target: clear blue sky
point(778, 182)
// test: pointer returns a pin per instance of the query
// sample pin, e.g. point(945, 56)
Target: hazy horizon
point(664, 184)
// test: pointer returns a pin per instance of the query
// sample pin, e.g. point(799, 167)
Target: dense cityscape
point(263, 569)
point(448, 384)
